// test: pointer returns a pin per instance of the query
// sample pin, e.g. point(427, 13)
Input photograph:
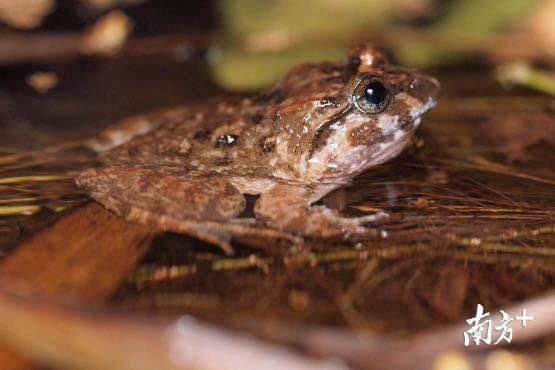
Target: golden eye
point(371, 96)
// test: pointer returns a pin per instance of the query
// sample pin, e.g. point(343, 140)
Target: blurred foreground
point(472, 200)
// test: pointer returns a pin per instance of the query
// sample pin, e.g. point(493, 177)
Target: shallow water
point(471, 203)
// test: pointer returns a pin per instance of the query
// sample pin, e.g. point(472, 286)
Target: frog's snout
point(430, 87)
point(426, 91)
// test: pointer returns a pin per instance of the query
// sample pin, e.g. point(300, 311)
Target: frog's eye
point(371, 96)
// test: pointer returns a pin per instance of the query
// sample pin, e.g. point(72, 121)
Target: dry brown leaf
point(107, 35)
point(25, 14)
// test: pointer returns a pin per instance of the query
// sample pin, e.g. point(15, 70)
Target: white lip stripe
point(420, 110)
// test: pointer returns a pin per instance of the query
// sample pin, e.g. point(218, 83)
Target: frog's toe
point(354, 229)
point(374, 217)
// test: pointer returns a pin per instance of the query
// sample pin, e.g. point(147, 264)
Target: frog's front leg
point(288, 208)
point(168, 201)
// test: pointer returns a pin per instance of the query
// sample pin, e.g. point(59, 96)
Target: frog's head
point(340, 119)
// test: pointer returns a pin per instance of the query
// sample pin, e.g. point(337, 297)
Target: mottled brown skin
point(292, 144)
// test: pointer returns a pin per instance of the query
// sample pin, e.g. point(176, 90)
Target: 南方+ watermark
point(482, 329)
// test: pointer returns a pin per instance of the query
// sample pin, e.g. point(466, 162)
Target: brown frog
point(187, 169)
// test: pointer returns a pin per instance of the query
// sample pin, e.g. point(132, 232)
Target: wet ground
point(472, 203)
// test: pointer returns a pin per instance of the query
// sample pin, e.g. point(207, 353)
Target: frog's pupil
point(375, 92)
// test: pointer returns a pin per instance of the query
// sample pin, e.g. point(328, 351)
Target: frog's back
point(213, 138)
point(156, 138)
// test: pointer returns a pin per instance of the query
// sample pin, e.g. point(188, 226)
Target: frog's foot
point(169, 202)
point(253, 233)
point(287, 208)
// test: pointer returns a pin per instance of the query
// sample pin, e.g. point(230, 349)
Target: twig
point(55, 47)
point(485, 165)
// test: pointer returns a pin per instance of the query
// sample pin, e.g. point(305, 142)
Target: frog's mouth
point(417, 112)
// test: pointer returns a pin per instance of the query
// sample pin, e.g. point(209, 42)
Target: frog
point(189, 169)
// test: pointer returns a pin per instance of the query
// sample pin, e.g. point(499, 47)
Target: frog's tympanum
point(312, 132)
